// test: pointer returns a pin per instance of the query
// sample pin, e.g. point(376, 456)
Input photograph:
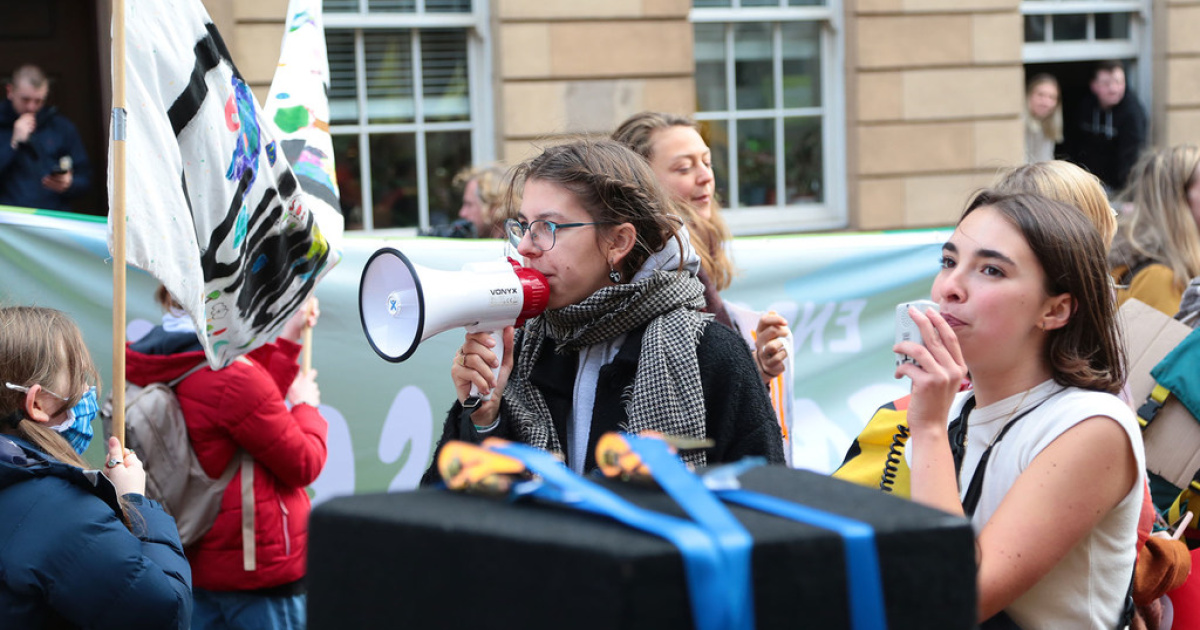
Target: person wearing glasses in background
point(623, 344)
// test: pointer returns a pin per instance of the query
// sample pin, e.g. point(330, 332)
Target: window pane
point(801, 65)
point(703, 4)
point(760, 3)
point(392, 6)
point(444, 75)
point(752, 66)
point(394, 180)
point(710, 68)
point(448, 6)
point(756, 162)
point(806, 3)
point(802, 151)
point(1112, 26)
point(389, 76)
point(716, 134)
point(448, 153)
point(340, 6)
point(1035, 28)
point(1070, 27)
point(343, 106)
point(349, 179)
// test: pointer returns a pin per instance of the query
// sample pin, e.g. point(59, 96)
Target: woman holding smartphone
point(1040, 454)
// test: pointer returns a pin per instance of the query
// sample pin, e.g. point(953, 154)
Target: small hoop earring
point(614, 275)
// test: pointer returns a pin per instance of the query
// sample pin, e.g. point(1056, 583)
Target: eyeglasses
point(25, 390)
point(541, 232)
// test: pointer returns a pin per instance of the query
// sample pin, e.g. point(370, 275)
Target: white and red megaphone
point(402, 304)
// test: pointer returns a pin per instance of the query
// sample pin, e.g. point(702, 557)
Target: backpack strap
point(248, 557)
point(249, 562)
point(186, 374)
point(1132, 271)
point(1154, 403)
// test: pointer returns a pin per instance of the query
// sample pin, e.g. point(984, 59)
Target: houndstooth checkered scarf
point(666, 394)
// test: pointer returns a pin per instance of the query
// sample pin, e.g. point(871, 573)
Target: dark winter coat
point(67, 559)
point(1107, 142)
point(740, 418)
point(22, 169)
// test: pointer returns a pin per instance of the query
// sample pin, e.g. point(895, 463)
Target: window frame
point(831, 213)
point(479, 70)
point(1139, 46)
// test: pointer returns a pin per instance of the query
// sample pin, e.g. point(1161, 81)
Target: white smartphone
point(906, 328)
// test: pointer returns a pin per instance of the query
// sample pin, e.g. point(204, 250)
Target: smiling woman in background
point(1043, 118)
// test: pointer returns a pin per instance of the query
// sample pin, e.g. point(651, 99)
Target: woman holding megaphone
point(622, 345)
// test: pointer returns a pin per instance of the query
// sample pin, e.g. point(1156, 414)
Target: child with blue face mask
point(67, 524)
point(76, 429)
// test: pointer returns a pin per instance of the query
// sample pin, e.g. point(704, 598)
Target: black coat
point(740, 418)
point(1107, 142)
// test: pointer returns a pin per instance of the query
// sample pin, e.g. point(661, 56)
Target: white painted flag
point(297, 107)
point(213, 210)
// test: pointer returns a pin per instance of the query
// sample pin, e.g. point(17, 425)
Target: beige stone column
point(934, 94)
point(583, 66)
point(252, 31)
point(1180, 111)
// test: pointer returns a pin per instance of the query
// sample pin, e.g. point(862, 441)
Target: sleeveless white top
point(1087, 588)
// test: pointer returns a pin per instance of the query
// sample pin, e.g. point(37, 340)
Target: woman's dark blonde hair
point(36, 346)
point(1066, 183)
point(490, 186)
point(708, 236)
point(1087, 351)
point(1161, 227)
point(613, 184)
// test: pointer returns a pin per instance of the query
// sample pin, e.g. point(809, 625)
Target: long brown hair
point(1161, 227)
point(613, 184)
point(1087, 351)
point(708, 236)
point(36, 346)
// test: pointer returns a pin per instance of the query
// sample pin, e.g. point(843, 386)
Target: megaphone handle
point(498, 335)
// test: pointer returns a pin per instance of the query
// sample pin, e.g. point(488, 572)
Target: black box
point(438, 559)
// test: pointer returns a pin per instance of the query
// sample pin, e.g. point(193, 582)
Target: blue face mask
point(77, 428)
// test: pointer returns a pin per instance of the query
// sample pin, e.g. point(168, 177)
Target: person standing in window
point(1043, 118)
point(1108, 129)
point(42, 161)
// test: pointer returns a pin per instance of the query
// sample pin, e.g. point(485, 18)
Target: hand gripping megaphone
point(402, 304)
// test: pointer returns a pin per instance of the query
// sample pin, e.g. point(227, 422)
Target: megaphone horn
point(402, 304)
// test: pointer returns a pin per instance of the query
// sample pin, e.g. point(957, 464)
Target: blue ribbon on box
point(733, 541)
point(709, 587)
point(864, 585)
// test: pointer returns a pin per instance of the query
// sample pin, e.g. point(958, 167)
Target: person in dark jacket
point(241, 408)
point(42, 161)
point(79, 548)
point(623, 344)
point(1108, 130)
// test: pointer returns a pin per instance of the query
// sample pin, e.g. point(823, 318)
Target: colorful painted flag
point(298, 109)
point(212, 210)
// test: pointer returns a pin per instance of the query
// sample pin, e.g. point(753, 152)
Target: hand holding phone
point(63, 165)
point(906, 328)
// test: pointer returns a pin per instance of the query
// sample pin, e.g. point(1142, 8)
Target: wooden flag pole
point(118, 220)
point(306, 351)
